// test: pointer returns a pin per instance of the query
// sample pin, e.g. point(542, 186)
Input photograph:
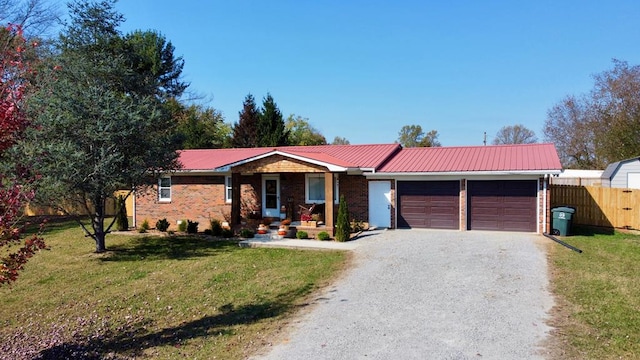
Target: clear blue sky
point(362, 69)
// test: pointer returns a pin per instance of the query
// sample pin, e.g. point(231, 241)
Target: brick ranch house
point(467, 188)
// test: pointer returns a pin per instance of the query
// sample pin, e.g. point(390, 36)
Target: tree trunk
point(100, 244)
point(97, 222)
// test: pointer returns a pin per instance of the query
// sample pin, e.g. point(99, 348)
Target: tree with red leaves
point(15, 189)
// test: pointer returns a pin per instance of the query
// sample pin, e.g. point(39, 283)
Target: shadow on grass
point(53, 224)
point(132, 340)
point(168, 247)
point(583, 230)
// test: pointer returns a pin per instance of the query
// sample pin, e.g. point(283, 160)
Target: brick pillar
point(463, 204)
point(235, 199)
point(328, 201)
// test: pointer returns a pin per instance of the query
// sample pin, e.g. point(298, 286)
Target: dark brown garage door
point(429, 204)
point(508, 205)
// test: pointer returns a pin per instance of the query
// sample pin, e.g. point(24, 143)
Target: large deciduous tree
point(99, 131)
point(302, 133)
point(200, 127)
point(515, 134)
point(410, 135)
point(603, 126)
point(413, 136)
point(430, 139)
point(15, 181)
point(35, 17)
point(339, 140)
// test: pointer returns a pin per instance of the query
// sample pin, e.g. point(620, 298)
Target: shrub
point(144, 227)
point(227, 233)
point(357, 226)
point(216, 227)
point(162, 225)
point(323, 236)
point(122, 220)
point(192, 227)
point(343, 226)
point(208, 232)
point(246, 233)
point(182, 226)
point(302, 235)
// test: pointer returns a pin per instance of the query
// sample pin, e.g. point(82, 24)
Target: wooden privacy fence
point(110, 207)
point(600, 206)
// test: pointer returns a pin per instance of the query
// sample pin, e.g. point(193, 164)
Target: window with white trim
point(228, 189)
point(164, 189)
point(314, 189)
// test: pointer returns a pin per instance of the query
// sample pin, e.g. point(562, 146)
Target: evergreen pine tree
point(245, 131)
point(271, 127)
point(343, 226)
point(122, 220)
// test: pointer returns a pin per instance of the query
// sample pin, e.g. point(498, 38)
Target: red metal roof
point(357, 156)
point(529, 157)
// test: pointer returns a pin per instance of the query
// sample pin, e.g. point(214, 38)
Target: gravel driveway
point(428, 294)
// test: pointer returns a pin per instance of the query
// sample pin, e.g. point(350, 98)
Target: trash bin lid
point(564, 209)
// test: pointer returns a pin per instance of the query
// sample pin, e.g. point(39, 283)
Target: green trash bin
point(562, 220)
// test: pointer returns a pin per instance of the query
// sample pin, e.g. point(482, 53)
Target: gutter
point(464, 173)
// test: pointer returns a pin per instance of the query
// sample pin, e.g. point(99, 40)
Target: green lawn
point(599, 297)
point(156, 297)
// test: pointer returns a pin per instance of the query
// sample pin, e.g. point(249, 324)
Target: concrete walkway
point(429, 295)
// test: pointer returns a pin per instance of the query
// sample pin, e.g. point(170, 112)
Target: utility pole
point(485, 138)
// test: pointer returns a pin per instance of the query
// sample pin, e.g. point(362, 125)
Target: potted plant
point(284, 224)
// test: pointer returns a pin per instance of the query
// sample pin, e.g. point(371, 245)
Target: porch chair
point(306, 212)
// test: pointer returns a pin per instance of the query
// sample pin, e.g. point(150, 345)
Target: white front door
point(271, 196)
point(380, 204)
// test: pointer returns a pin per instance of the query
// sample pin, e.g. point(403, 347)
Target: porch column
point(235, 199)
point(328, 202)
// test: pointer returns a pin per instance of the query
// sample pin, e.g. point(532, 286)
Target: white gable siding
point(620, 177)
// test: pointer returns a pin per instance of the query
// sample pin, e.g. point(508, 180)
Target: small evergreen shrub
point(227, 233)
point(216, 227)
point(246, 233)
point(122, 220)
point(144, 227)
point(182, 227)
point(343, 225)
point(302, 235)
point(208, 232)
point(192, 227)
point(323, 236)
point(162, 225)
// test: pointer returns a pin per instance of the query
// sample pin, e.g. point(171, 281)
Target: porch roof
point(343, 156)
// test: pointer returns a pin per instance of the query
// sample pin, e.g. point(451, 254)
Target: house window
point(314, 189)
point(228, 189)
point(164, 189)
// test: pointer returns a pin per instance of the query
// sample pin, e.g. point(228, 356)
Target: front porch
point(277, 188)
point(294, 227)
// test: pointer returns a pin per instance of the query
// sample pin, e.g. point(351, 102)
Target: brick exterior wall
point(201, 198)
point(195, 198)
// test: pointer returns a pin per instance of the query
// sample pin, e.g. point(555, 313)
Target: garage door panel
point(429, 204)
point(508, 205)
